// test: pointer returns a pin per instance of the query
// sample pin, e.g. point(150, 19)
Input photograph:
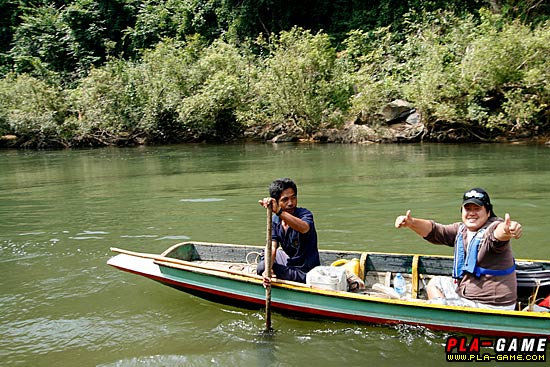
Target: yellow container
point(351, 265)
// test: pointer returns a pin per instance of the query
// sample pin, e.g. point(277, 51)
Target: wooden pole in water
point(268, 263)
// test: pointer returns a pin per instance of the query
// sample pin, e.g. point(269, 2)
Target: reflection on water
point(61, 211)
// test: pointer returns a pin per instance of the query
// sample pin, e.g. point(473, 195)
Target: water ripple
point(153, 361)
point(139, 236)
point(87, 238)
point(202, 200)
point(182, 237)
point(91, 232)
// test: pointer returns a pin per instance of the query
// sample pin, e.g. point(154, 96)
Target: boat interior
point(368, 273)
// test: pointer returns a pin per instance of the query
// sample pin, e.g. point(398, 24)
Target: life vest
point(467, 263)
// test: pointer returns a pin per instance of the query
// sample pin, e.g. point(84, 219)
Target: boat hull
point(246, 290)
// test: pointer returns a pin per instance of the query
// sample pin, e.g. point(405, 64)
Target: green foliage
point(90, 72)
point(110, 103)
point(166, 81)
point(483, 78)
point(67, 40)
point(220, 83)
point(33, 111)
point(40, 43)
point(157, 20)
point(376, 58)
point(193, 90)
point(508, 72)
point(432, 56)
point(526, 11)
point(179, 92)
point(300, 82)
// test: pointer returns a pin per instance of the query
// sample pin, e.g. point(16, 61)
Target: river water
point(61, 211)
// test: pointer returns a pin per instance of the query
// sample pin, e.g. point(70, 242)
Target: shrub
point(507, 69)
point(482, 78)
point(219, 86)
point(166, 79)
point(178, 92)
point(374, 58)
point(299, 82)
point(33, 111)
point(110, 103)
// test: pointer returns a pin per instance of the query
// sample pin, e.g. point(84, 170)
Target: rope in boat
point(254, 263)
point(258, 255)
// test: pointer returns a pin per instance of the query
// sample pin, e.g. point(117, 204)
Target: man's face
point(474, 216)
point(288, 200)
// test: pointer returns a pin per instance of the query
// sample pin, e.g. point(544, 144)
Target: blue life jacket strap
point(478, 271)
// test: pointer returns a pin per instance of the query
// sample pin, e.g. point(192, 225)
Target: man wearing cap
point(483, 267)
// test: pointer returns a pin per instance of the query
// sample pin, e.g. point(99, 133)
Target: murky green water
point(60, 211)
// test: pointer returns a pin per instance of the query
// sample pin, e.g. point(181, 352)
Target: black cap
point(479, 197)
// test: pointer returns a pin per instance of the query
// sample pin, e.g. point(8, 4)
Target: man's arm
point(294, 222)
point(422, 227)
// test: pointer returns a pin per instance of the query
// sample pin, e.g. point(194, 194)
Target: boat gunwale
point(350, 252)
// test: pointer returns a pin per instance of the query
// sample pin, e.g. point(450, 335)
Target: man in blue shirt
point(293, 235)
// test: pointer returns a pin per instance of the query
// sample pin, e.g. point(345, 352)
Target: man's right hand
point(267, 280)
point(404, 220)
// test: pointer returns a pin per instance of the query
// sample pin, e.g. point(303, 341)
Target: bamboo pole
point(268, 263)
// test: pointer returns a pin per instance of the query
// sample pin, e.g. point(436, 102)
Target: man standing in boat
point(293, 234)
point(483, 267)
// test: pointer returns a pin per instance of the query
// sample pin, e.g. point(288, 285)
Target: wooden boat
point(226, 273)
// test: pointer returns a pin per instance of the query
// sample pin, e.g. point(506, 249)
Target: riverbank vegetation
point(93, 72)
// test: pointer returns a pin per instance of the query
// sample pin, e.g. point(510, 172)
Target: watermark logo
point(526, 349)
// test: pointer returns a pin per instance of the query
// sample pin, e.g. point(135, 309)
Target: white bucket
point(328, 277)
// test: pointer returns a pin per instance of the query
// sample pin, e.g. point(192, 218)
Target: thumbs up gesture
point(511, 228)
point(403, 220)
